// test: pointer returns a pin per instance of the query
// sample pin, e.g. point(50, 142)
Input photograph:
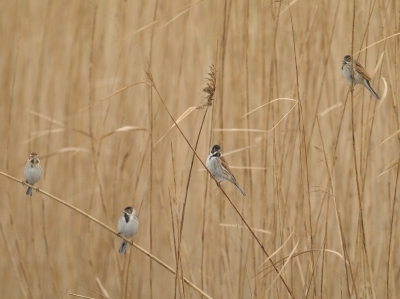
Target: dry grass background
point(306, 185)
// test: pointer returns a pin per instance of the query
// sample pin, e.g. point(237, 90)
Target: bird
point(218, 166)
point(360, 74)
point(32, 172)
point(128, 225)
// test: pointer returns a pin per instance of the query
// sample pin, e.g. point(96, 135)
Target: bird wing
point(361, 70)
point(226, 168)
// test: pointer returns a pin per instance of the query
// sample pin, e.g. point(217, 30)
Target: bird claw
point(37, 189)
point(23, 183)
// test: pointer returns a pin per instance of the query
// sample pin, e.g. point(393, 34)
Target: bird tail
point(122, 248)
point(241, 190)
point(368, 86)
point(29, 191)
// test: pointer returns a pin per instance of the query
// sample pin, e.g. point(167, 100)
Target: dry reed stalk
point(45, 70)
point(152, 257)
point(14, 264)
point(26, 293)
point(150, 77)
point(324, 260)
point(303, 157)
point(361, 215)
point(151, 120)
point(177, 261)
point(394, 202)
point(209, 90)
point(80, 296)
point(175, 235)
point(107, 296)
point(249, 159)
point(325, 72)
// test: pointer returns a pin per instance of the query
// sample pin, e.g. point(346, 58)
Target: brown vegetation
point(91, 87)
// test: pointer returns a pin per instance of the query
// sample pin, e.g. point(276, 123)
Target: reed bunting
point(128, 225)
point(360, 74)
point(219, 168)
point(32, 172)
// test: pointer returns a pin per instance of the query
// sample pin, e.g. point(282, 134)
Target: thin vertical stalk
point(150, 101)
point(10, 113)
point(187, 190)
point(220, 119)
point(327, 208)
point(249, 162)
point(303, 153)
point(251, 230)
point(150, 94)
point(364, 245)
point(272, 74)
point(395, 199)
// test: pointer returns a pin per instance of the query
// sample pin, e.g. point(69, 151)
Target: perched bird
point(32, 172)
point(128, 225)
point(360, 74)
point(218, 166)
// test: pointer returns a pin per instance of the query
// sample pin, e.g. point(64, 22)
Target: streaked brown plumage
point(218, 166)
point(360, 74)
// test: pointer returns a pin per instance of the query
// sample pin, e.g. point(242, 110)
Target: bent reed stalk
point(154, 258)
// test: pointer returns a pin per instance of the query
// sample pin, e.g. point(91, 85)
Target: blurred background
point(321, 188)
